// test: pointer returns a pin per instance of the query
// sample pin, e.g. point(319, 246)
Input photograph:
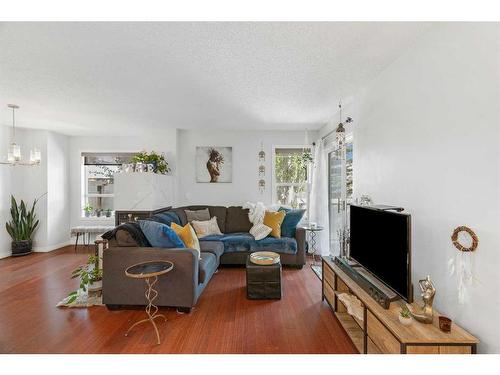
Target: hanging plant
point(306, 158)
point(160, 164)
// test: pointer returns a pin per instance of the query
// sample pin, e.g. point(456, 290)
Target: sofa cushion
point(214, 247)
point(207, 266)
point(245, 242)
point(284, 245)
point(199, 215)
point(237, 220)
point(218, 211)
point(160, 235)
point(290, 222)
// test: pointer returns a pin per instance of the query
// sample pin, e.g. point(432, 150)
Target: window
point(97, 182)
point(291, 172)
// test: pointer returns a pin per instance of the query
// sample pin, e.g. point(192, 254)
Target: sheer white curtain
point(319, 197)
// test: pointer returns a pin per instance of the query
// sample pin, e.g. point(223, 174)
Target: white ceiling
point(99, 78)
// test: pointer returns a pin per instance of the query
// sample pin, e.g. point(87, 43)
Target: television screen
point(380, 242)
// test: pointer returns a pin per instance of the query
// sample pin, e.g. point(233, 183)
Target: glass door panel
point(334, 200)
point(339, 194)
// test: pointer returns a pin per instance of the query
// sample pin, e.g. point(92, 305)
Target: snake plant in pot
point(21, 227)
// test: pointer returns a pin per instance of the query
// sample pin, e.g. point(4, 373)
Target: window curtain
point(319, 197)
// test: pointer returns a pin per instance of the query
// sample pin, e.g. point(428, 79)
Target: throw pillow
point(260, 231)
point(188, 236)
point(274, 220)
point(206, 228)
point(167, 217)
point(199, 215)
point(160, 235)
point(290, 222)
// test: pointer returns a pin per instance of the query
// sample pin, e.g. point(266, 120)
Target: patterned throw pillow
point(260, 231)
point(274, 220)
point(188, 236)
point(206, 228)
point(160, 235)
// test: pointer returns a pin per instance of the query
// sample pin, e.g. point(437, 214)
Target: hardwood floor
point(224, 321)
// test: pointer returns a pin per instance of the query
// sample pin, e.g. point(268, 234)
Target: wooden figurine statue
point(424, 313)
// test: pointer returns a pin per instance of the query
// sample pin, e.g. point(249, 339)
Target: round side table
point(312, 238)
point(149, 271)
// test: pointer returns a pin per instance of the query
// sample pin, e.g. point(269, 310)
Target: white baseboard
point(46, 249)
point(42, 249)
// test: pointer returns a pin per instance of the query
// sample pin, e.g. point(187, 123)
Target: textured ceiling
point(99, 78)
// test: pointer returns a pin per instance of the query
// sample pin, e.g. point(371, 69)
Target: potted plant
point(21, 227)
point(108, 212)
point(88, 210)
point(405, 316)
point(160, 165)
point(98, 212)
point(90, 278)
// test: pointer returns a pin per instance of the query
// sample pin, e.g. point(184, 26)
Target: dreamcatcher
point(466, 241)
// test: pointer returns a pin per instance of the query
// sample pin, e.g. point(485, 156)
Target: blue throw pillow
point(290, 222)
point(168, 218)
point(160, 235)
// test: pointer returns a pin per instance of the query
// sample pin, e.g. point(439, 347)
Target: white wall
point(48, 182)
point(58, 208)
point(30, 183)
point(246, 145)
point(5, 191)
point(426, 137)
point(159, 141)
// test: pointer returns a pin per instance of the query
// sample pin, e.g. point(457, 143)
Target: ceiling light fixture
point(14, 156)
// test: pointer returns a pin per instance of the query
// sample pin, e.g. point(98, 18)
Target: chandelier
point(14, 156)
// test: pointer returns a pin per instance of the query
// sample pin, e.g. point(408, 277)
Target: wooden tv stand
point(380, 332)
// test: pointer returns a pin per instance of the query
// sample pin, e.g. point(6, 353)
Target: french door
point(339, 194)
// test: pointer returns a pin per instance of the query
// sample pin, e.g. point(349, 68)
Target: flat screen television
point(381, 243)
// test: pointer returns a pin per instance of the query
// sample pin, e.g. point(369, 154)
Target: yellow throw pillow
point(273, 220)
point(188, 236)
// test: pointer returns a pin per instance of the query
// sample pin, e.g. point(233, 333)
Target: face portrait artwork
point(214, 164)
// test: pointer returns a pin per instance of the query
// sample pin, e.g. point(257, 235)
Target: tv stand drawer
point(381, 336)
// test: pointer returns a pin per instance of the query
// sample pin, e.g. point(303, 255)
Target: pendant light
point(14, 156)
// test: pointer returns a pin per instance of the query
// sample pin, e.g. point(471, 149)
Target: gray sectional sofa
point(183, 286)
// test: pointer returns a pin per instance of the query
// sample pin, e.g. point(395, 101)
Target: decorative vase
point(405, 321)
point(21, 247)
point(95, 286)
point(87, 214)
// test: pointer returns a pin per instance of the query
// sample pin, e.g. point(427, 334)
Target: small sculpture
point(424, 313)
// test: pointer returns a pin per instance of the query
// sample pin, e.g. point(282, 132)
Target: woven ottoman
point(263, 282)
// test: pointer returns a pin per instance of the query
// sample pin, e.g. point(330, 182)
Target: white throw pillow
point(206, 228)
point(260, 231)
